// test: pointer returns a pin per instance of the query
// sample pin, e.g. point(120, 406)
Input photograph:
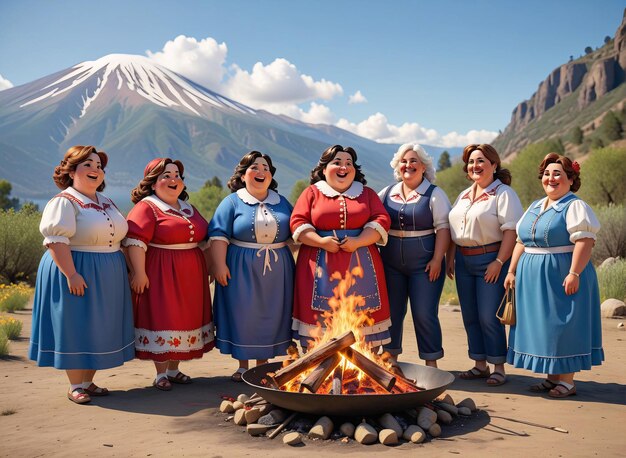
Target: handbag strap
point(509, 296)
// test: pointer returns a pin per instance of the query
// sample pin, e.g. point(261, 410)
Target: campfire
point(339, 360)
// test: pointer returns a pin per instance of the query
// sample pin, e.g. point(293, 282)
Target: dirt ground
point(137, 420)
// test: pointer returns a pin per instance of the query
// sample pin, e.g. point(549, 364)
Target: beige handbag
point(508, 308)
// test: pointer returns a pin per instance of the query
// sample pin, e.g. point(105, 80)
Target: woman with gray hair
point(414, 255)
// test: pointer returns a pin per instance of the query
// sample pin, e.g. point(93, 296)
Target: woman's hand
point(139, 282)
point(434, 269)
point(76, 284)
point(493, 272)
point(222, 274)
point(509, 281)
point(571, 284)
point(349, 244)
point(330, 244)
point(450, 267)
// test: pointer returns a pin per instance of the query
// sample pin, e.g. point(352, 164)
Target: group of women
point(103, 274)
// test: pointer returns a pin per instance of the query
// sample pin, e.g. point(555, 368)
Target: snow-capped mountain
point(135, 110)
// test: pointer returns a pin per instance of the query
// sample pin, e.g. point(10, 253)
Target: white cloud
point(5, 83)
point(200, 61)
point(357, 97)
point(277, 83)
point(378, 128)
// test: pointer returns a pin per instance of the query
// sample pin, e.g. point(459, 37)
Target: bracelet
point(574, 273)
point(500, 261)
point(511, 272)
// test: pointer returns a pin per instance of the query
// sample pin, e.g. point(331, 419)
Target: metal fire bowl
point(434, 380)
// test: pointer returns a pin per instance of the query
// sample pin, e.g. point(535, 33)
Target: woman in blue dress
point(558, 330)
point(82, 311)
point(253, 266)
point(414, 255)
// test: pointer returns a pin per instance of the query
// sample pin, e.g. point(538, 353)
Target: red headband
point(151, 165)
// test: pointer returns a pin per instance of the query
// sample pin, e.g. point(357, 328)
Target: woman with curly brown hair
point(172, 303)
point(253, 265)
point(558, 330)
point(339, 220)
point(482, 227)
point(82, 311)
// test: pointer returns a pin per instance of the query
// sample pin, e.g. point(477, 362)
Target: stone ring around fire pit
point(435, 382)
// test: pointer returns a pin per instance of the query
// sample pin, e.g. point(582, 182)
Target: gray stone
point(444, 417)
point(388, 437)
point(389, 422)
point(425, 418)
point(275, 417)
point(347, 429)
point(469, 403)
point(256, 429)
point(434, 430)
point(613, 308)
point(465, 411)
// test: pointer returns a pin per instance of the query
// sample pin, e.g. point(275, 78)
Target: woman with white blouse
point(482, 227)
point(414, 255)
point(82, 311)
point(558, 330)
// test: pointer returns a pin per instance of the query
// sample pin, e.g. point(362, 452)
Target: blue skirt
point(555, 333)
point(252, 313)
point(94, 331)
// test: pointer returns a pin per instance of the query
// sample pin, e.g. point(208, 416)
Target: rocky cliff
point(588, 79)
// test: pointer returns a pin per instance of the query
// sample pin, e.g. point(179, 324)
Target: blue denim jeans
point(404, 261)
point(479, 302)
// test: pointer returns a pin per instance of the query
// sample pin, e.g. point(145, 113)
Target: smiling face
point(340, 172)
point(411, 169)
point(88, 175)
point(480, 170)
point(555, 182)
point(169, 185)
point(258, 178)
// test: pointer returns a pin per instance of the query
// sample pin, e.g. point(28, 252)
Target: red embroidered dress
point(329, 212)
point(173, 316)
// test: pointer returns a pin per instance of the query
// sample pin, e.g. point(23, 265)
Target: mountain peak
point(129, 76)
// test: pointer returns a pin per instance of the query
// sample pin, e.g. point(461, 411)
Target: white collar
point(185, 207)
point(84, 199)
point(272, 197)
point(354, 191)
point(421, 189)
point(556, 205)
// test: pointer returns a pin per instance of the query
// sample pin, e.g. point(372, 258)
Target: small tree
point(215, 181)
point(453, 180)
point(588, 50)
point(444, 161)
point(297, 189)
point(20, 245)
point(208, 197)
point(525, 169)
point(611, 127)
point(603, 177)
point(607, 40)
point(576, 135)
point(7, 202)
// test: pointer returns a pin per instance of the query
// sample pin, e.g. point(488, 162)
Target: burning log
point(337, 380)
point(315, 379)
point(378, 373)
point(313, 358)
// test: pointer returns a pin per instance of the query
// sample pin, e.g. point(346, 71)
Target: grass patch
point(4, 344)
point(612, 281)
point(11, 327)
point(14, 297)
point(449, 294)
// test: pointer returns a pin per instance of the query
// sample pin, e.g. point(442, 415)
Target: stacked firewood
point(413, 425)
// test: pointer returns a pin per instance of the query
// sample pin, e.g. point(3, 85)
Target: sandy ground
point(138, 420)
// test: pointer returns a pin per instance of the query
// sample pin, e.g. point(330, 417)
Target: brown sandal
point(236, 377)
point(561, 391)
point(475, 373)
point(180, 378)
point(95, 390)
point(543, 386)
point(162, 384)
point(78, 396)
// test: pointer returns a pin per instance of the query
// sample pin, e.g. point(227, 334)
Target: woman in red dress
point(338, 220)
point(172, 303)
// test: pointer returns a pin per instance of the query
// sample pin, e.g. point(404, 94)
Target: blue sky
point(440, 72)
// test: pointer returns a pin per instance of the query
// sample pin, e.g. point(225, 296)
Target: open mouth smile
point(92, 176)
point(259, 179)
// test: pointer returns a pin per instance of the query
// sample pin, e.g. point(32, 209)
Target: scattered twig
point(530, 423)
point(282, 425)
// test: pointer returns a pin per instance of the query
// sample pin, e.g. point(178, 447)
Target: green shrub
point(207, 198)
point(611, 241)
point(20, 245)
point(14, 297)
point(4, 344)
point(603, 177)
point(453, 181)
point(449, 294)
point(612, 281)
point(11, 327)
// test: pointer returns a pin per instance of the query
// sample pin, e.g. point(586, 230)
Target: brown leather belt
point(477, 250)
